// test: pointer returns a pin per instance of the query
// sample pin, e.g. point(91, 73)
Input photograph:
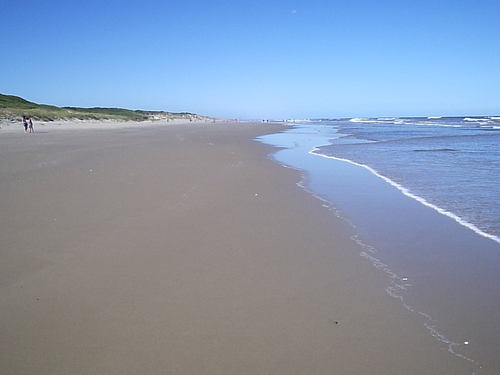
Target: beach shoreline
point(438, 269)
point(185, 249)
point(9, 126)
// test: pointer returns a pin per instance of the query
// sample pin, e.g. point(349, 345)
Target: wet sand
point(185, 250)
point(445, 274)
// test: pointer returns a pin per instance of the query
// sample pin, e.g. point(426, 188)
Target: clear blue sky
point(256, 59)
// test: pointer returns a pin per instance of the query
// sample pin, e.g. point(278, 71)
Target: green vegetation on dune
point(107, 113)
point(7, 101)
point(14, 107)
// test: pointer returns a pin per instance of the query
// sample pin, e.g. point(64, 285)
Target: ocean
point(450, 163)
point(421, 197)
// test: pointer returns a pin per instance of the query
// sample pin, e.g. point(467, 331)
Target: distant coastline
point(14, 107)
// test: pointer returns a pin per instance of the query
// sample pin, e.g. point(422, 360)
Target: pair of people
point(28, 124)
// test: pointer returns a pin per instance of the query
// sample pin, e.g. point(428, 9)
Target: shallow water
point(444, 273)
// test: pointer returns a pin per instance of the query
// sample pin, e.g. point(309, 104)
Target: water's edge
point(398, 284)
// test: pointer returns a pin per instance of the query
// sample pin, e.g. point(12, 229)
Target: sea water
point(451, 163)
point(422, 198)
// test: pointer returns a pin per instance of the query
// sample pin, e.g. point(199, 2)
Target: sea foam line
point(396, 289)
point(409, 194)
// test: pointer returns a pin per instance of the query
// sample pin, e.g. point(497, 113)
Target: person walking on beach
point(25, 123)
point(30, 125)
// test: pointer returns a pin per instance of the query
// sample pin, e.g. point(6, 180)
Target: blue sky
point(256, 59)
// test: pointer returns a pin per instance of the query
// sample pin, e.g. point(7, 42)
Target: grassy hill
point(14, 107)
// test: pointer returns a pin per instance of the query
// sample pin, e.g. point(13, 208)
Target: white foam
point(360, 119)
point(434, 117)
point(408, 193)
point(481, 119)
point(435, 124)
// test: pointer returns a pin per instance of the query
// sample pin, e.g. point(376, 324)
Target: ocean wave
point(489, 126)
point(479, 119)
point(361, 119)
point(408, 193)
point(436, 124)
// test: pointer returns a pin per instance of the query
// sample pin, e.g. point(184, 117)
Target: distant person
point(30, 125)
point(25, 123)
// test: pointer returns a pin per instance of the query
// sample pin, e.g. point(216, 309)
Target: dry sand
point(9, 126)
point(185, 250)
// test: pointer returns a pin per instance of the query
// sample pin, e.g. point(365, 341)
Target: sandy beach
point(9, 126)
point(183, 249)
